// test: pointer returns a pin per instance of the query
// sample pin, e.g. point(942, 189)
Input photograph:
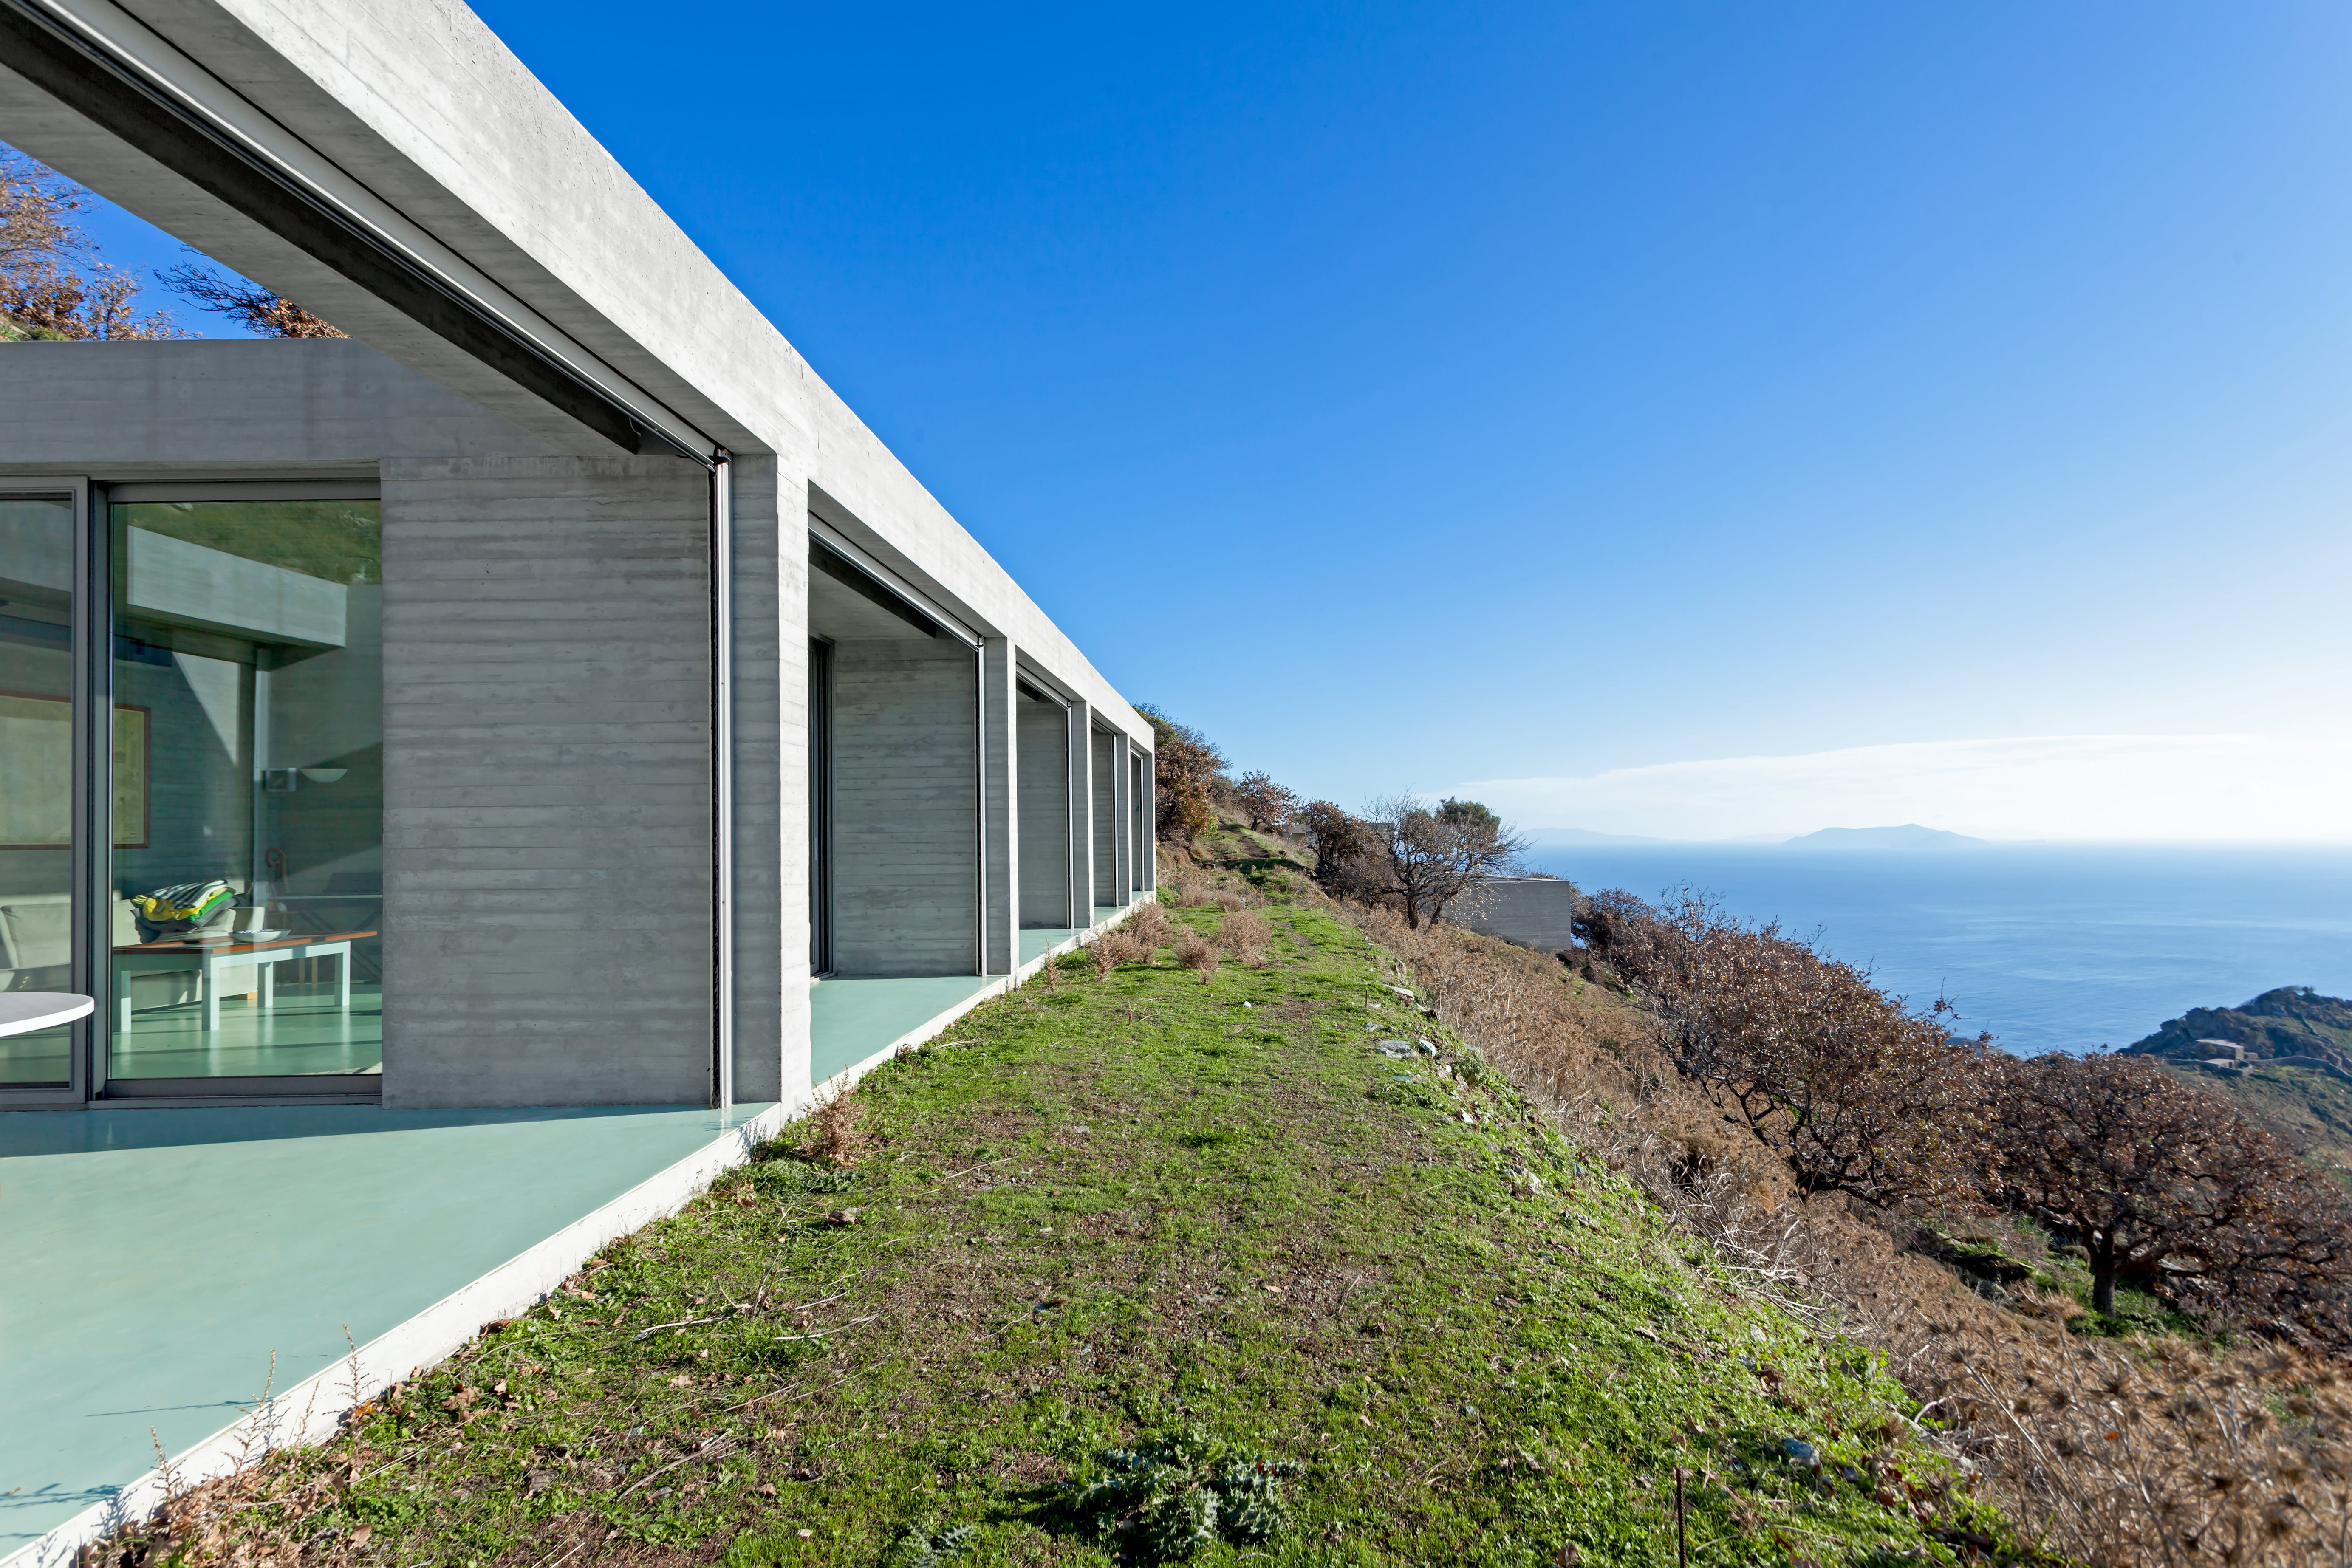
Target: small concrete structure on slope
point(1532, 911)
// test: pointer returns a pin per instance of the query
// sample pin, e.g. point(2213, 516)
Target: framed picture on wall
point(130, 776)
point(36, 772)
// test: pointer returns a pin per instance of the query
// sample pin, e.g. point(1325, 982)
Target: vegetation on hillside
point(2118, 1296)
point(1246, 1261)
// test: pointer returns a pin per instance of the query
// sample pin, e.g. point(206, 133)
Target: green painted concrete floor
point(1035, 944)
point(850, 1020)
point(152, 1259)
point(304, 1033)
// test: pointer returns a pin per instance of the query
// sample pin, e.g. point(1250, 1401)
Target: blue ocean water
point(2049, 947)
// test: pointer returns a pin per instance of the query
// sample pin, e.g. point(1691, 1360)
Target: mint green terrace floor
point(850, 1020)
point(151, 1260)
point(1038, 943)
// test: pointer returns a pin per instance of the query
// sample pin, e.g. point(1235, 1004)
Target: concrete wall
point(547, 826)
point(196, 409)
point(1044, 739)
point(906, 840)
point(1533, 912)
point(1105, 817)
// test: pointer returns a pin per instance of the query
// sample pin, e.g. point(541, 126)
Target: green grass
point(1137, 1210)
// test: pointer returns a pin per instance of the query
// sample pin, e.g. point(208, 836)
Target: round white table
point(22, 1012)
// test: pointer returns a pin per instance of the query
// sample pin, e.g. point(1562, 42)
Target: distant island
point(1910, 836)
point(2286, 1057)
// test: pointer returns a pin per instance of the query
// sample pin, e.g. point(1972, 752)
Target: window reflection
point(246, 872)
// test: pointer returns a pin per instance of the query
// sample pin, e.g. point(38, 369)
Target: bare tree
point(2152, 1175)
point(1268, 806)
point(1857, 1094)
point(52, 284)
point(1433, 858)
point(262, 310)
point(37, 221)
point(1188, 775)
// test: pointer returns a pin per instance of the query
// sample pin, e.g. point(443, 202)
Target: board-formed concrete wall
point(1533, 912)
point(1105, 819)
point(906, 804)
point(1045, 788)
point(547, 815)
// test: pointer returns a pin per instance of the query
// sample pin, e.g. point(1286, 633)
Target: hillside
point(1125, 1258)
point(2291, 1021)
point(2298, 1080)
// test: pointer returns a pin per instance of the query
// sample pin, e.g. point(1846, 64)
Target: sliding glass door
point(245, 885)
point(39, 574)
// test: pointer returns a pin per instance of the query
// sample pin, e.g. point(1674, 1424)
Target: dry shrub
point(2141, 1451)
point(838, 1134)
point(1229, 901)
point(1194, 951)
point(1150, 927)
point(1114, 948)
point(1246, 935)
point(1182, 881)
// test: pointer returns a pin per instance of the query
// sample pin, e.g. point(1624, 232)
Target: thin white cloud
point(2208, 788)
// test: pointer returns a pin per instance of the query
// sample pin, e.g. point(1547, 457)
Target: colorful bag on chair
point(179, 909)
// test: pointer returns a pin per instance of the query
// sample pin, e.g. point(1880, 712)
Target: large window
point(245, 878)
point(37, 577)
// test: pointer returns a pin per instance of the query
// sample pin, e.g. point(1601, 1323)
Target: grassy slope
point(1123, 1207)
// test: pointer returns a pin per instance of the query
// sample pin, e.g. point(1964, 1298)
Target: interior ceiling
point(837, 611)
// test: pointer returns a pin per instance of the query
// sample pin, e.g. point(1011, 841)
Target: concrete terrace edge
point(313, 1410)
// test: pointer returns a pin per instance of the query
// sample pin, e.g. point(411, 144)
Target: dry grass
point(1114, 948)
point(1196, 951)
point(840, 1137)
point(1150, 926)
point(1247, 935)
point(2118, 1452)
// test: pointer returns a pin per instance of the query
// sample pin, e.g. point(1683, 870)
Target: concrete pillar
point(1081, 828)
point(771, 797)
point(1000, 810)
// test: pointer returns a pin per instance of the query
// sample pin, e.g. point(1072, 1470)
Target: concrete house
point(544, 732)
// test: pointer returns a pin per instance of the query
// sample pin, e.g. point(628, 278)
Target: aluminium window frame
point(89, 822)
point(257, 1090)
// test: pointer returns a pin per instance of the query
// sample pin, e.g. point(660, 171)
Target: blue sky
point(1541, 396)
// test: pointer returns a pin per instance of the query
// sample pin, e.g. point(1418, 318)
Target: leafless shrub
point(1227, 900)
point(836, 1126)
point(1196, 951)
point(1150, 927)
point(1114, 948)
point(1246, 934)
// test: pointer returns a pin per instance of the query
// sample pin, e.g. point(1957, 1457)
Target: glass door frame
point(98, 865)
point(91, 686)
point(93, 631)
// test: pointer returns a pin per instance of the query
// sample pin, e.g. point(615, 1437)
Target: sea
point(2047, 947)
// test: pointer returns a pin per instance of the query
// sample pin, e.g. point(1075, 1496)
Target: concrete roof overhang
point(398, 170)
